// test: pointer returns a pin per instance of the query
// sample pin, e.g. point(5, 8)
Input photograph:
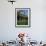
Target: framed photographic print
point(22, 17)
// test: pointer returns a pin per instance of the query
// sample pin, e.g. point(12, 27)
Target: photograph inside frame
point(22, 16)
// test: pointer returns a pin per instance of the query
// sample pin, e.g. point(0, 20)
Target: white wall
point(8, 31)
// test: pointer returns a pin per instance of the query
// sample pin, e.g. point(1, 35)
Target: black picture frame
point(22, 17)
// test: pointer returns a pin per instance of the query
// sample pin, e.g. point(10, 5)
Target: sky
point(25, 12)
